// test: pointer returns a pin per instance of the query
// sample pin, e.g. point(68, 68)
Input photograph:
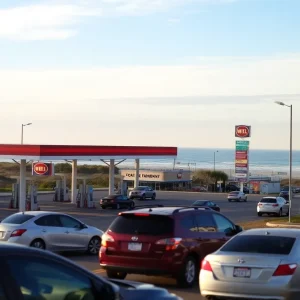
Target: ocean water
point(259, 160)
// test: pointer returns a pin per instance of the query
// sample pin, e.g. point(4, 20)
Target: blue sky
point(194, 68)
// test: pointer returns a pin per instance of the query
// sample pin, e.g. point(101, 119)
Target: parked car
point(235, 188)
point(50, 230)
point(273, 205)
point(35, 274)
point(206, 203)
point(237, 196)
point(163, 241)
point(255, 264)
point(142, 193)
point(284, 193)
point(116, 201)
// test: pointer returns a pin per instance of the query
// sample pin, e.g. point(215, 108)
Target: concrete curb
point(282, 225)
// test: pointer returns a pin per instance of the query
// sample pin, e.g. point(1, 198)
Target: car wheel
point(132, 204)
point(187, 276)
point(239, 199)
point(259, 214)
point(103, 207)
point(115, 274)
point(38, 243)
point(245, 199)
point(118, 206)
point(144, 197)
point(153, 197)
point(229, 200)
point(280, 213)
point(94, 245)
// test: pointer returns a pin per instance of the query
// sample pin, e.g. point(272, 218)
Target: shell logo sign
point(242, 131)
point(42, 169)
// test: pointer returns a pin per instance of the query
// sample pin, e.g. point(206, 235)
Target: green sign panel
point(242, 148)
point(242, 143)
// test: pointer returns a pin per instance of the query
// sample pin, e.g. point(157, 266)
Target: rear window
point(234, 193)
point(260, 244)
point(268, 200)
point(147, 225)
point(17, 219)
point(140, 188)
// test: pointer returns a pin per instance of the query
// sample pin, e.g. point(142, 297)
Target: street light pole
point(290, 156)
point(215, 159)
point(23, 125)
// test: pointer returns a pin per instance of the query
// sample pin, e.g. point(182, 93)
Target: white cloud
point(58, 19)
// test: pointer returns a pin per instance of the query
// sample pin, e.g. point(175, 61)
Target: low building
point(167, 180)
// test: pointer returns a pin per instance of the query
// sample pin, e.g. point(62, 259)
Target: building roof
point(82, 152)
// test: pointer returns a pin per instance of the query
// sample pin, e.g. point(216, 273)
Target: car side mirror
point(229, 232)
point(83, 226)
point(238, 228)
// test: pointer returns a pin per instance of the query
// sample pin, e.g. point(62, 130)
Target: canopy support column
point(137, 173)
point(111, 177)
point(74, 181)
point(22, 199)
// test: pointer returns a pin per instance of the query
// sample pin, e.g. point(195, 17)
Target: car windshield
point(139, 188)
point(17, 219)
point(147, 225)
point(261, 244)
point(268, 200)
point(285, 189)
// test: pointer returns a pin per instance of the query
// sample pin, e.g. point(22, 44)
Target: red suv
point(163, 241)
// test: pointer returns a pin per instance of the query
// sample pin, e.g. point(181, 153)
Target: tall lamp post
point(215, 159)
point(291, 150)
point(23, 125)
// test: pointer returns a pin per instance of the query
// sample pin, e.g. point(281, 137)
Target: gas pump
point(31, 199)
point(89, 196)
point(14, 202)
point(122, 186)
point(81, 196)
point(61, 193)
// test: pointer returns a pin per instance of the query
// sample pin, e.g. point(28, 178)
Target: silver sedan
point(255, 264)
point(50, 230)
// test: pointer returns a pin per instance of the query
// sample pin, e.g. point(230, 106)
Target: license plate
point(242, 272)
point(135, 246)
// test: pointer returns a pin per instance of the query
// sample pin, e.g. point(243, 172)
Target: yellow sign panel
point(241, 161)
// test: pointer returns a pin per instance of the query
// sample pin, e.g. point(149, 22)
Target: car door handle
point(44, 230)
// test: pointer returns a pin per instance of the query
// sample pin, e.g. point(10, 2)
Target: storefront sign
point(242, 158)
point(42, 169)
point(242, 131)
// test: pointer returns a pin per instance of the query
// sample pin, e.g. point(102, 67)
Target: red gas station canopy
point(63, 152)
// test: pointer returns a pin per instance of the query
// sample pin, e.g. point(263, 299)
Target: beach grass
point(261, 223)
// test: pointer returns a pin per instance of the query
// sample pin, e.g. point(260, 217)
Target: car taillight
point(285, 270)
point(18, 232)
point(106, 238)
point(205, 265)
point(275, 205)
point(259, 204)
point(171, 243)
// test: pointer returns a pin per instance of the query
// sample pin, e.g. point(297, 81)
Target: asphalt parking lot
point(236, 211)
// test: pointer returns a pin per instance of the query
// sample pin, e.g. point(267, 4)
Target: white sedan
point(237, 196)
point(273, 205)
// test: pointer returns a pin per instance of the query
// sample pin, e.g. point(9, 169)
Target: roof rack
point(189, 207)
point(146, 206)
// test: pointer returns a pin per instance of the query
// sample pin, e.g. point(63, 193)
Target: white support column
point(137, 173)
point(74, 181)
point(111, 177)
point(22, 201)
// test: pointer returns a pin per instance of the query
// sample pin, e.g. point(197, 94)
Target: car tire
point(103, 207)
point(229, 200)
point(144, 197)
point(259, 214)
point(189, 273)
point(245, 199)
point(94, 246)
point(38, 243)
point(132, 205)
point(153, 197)
point(239, 199)
point(115, 274)
point(279, 213)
